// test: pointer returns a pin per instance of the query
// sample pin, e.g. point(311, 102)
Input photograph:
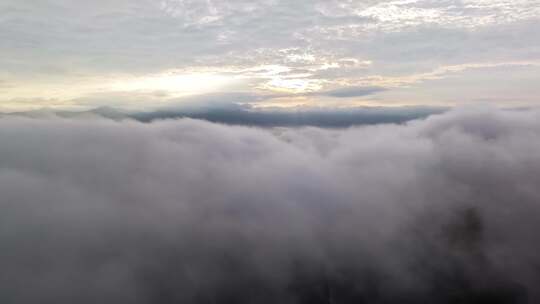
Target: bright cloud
point(175, 83)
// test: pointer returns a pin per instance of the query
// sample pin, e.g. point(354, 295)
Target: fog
point(440, 210)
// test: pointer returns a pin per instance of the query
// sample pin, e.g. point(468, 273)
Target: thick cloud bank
point(445, 210)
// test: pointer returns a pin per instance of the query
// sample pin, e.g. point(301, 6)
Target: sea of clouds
point(440, 210)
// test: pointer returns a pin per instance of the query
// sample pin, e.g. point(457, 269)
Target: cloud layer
point(443, 210)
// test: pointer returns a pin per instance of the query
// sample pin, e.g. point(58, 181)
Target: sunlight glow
point(174, 83)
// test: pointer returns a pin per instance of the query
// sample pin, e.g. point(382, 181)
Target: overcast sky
point(147, 54)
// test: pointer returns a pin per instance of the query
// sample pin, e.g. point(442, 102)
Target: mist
point(440, 210)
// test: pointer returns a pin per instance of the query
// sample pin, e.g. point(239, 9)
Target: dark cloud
point(235, 114)
point(321, 117)
point(443, 210)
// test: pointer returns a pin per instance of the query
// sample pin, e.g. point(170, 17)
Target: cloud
point(296, 117)
point(315, 41)
point(441, 210)
point(353, 92)
point(210, 109)
point(4, 84)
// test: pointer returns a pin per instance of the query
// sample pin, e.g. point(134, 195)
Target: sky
point(269, 151)
point(148, 54)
